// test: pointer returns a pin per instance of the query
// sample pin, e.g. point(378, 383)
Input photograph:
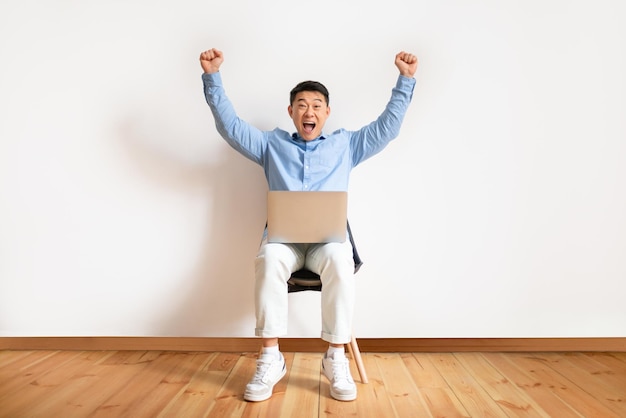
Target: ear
point(290, 111)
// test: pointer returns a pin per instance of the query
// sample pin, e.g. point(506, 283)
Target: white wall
point(498, 212)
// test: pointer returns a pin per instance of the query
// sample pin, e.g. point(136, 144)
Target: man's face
point(309, 112)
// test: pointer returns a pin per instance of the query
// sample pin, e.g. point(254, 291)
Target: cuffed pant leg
point(335, 265)
point(273, 267)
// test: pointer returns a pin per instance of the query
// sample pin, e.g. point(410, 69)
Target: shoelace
point(263, 369)
point(341, 370)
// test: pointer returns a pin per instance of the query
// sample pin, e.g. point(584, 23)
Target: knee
point(272, 260)
point(338, 255)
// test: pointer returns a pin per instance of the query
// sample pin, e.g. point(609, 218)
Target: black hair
point(308, 86)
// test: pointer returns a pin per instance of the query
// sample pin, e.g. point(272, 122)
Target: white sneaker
point(337, 370)
point(269, 371)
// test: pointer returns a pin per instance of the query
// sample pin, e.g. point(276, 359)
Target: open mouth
point(308, 127)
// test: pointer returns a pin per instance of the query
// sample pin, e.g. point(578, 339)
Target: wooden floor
point(181, 384)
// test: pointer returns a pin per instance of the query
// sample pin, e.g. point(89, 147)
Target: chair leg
point(353, 348)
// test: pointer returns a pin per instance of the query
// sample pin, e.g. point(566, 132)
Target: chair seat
point(304, 280)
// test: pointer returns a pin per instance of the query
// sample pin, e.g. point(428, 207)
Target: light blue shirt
point(289, 162)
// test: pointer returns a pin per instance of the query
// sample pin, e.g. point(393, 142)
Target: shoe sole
point(251, 397)
point(343, 398)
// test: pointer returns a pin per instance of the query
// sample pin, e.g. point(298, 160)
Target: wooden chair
point(304, 279)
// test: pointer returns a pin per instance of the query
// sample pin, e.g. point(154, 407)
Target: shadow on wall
point(213, 297)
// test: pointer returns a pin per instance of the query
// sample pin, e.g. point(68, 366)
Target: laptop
point(306, 217)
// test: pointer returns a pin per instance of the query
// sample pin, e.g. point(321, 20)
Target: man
point(307, 160)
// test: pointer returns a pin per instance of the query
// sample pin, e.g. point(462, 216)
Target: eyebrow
point(302, 99)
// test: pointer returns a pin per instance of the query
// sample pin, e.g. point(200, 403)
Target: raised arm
point(240, 135)
point(372, 138)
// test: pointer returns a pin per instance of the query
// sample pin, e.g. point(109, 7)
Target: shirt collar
point(297, 137)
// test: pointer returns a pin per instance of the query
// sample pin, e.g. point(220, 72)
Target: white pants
point(335, 265)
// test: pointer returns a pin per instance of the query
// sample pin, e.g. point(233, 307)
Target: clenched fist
point(406, 63)
point(210, 60)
